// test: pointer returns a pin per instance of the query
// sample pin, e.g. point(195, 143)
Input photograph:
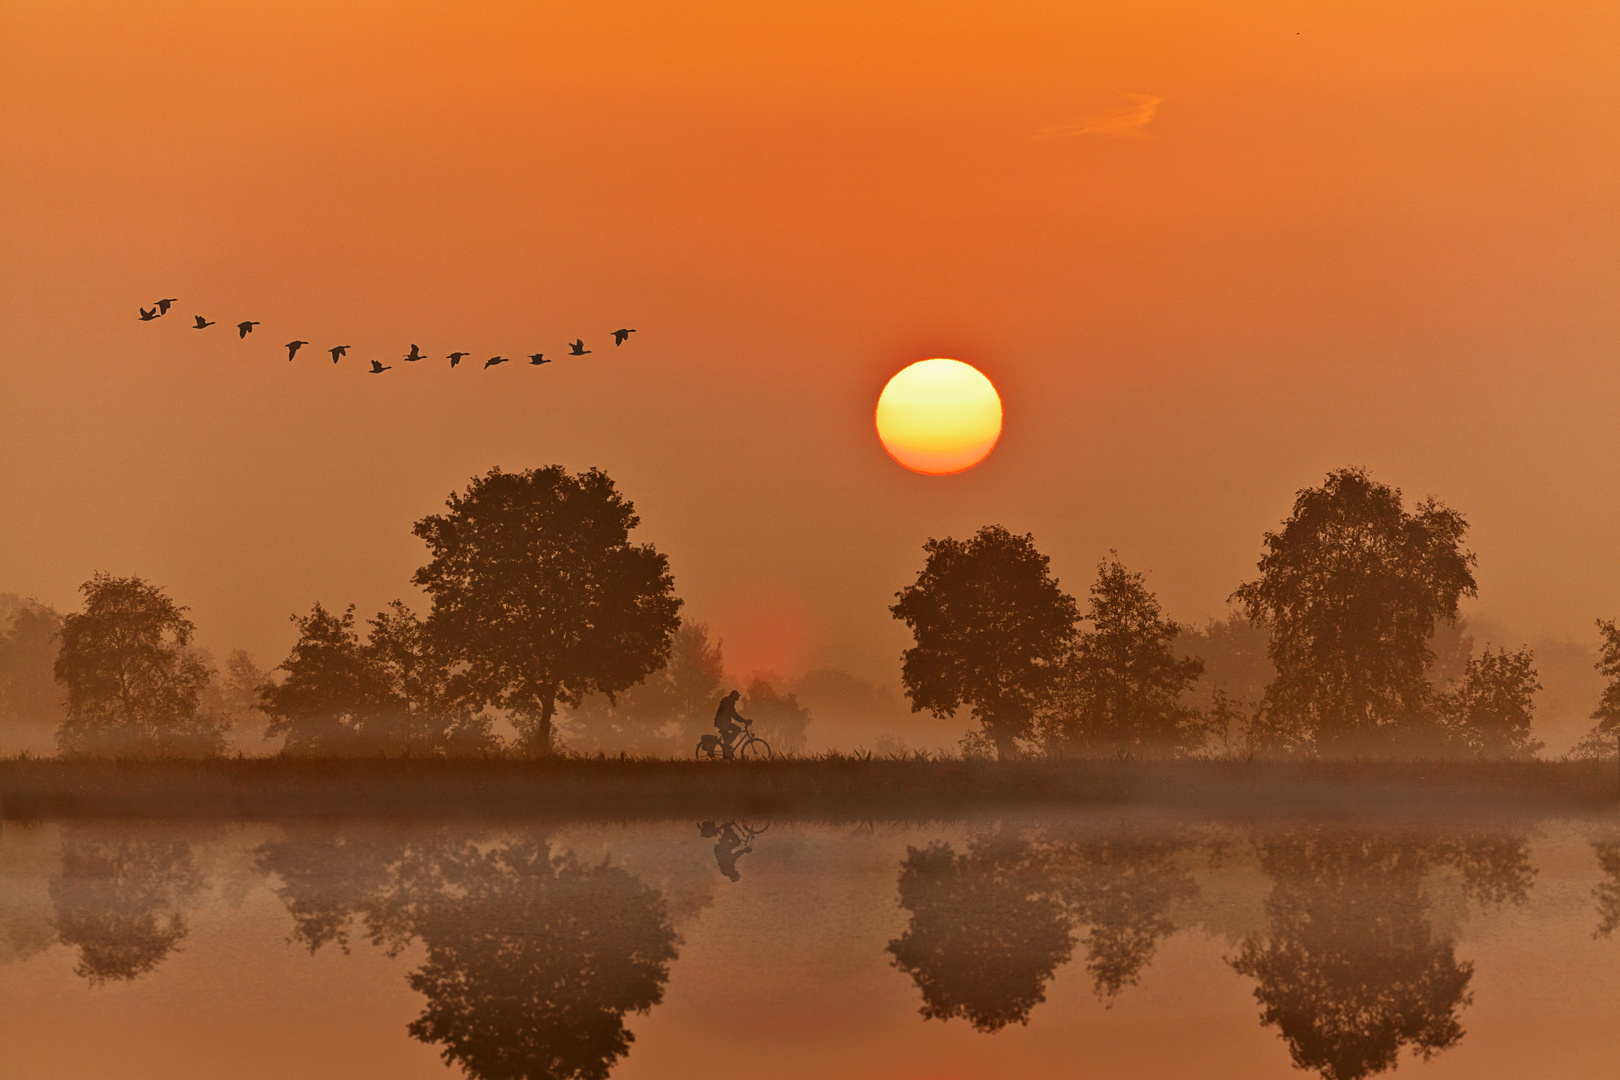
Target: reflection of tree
point(1124, 889)
point(1608, 892)
point(990, 927)
point(532, 959)
point(118, 897)
point(986, 931)
point(1349, 969)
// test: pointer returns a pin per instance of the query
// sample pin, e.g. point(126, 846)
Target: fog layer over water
point(1079, 944)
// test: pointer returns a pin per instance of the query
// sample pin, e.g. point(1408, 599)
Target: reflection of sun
point(939, 416)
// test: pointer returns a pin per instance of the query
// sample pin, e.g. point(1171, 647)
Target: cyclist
point(728, 848)
point(729, 723)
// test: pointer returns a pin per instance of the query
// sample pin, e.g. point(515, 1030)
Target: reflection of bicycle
point(733, 840)
point(747, 745)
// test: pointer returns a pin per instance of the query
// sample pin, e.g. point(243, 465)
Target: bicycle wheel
point(705, 751)
point(755, 749)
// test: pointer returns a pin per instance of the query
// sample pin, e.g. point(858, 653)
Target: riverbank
point(837, 788)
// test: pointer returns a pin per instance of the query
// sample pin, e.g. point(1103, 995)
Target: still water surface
point(1076, 945)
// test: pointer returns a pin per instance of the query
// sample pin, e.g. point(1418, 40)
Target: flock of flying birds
point(244, 328)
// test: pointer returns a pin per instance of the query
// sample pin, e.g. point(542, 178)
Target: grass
point(832, 786)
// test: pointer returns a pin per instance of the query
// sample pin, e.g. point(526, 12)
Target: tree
point(991, 629)
point(666, 712)
point(778, 717)
point(539, 594)
point(987, 930)
point(1493, 704)
point(390, 693)
point(1351, 589)
point(29, 642)
point(329, 690)
point(1122, 683)
point(133, 682)
point(1606, 732)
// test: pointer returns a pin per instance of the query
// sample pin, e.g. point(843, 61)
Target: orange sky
point(1206, 252)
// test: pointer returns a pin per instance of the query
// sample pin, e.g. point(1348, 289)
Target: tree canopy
point(133, 682)
point(1122, 684)
point(991, 627)
point(1351, 589)
point(1605, 733)
point(539, 597)
point(1491, 707)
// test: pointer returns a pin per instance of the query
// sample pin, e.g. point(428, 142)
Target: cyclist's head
point(734, 695)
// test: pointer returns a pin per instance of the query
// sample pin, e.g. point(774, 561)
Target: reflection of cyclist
point(728, 722)
point(728, 848)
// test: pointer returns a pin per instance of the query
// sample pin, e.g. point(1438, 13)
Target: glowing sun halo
point(939, 416)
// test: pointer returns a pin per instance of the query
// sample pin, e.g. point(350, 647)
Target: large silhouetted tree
point(988, 929)
point(134, 684)
point(1351, 589)
point(329, 687)
point(991, 629)
point(1349, 969)
point(540, 596)
point(1122, 684)
point(1493, 704)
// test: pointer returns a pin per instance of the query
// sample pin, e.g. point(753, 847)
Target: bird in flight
point(163, 305)
point(202, 323)
point(538, 358)
point(148, 315)
point(492, 361)
point(243, 329)
point(378, 367)
point(293, 347)
point(620, 335)
point(578, 348)
point(455, 358)
point(415, 354)
point(337, 352)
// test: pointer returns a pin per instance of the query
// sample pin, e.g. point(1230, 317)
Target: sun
point(939, 416)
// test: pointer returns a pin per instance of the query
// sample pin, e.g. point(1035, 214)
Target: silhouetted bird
point(338, 351)
point(620, 335)
point(148, 316)
point(378, 367)
point(538, 358)
point(293, 347)
point(243, 329)
point(415, 354)
point(455, 358)
point(492, 361)
point(202, 323)
point(163, 305)
point(578, 348)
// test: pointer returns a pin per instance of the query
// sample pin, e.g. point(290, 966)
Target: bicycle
point(748, 746)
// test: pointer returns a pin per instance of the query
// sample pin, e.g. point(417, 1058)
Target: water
point(1076, 945)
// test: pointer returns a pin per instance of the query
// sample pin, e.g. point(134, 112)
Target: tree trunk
point(1006, 743)
point(542, 731)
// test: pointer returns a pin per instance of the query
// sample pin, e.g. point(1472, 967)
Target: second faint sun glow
point(939, 416)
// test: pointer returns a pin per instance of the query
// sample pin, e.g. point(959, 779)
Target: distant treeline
point(546, 620)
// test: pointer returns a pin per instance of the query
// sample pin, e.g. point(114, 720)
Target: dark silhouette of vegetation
point(1349, 969)
point(134, 685)
point(29, 642)
point(392, 693)
point(1492, 706)
point(1121, 685)
point(991, 629)
point(1605, 733)
point(540, 598)
point(117, 899)
point(1352, 589)
point(1237, 670)
point(987, 930)
point(532, 959)
point(778, 717)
